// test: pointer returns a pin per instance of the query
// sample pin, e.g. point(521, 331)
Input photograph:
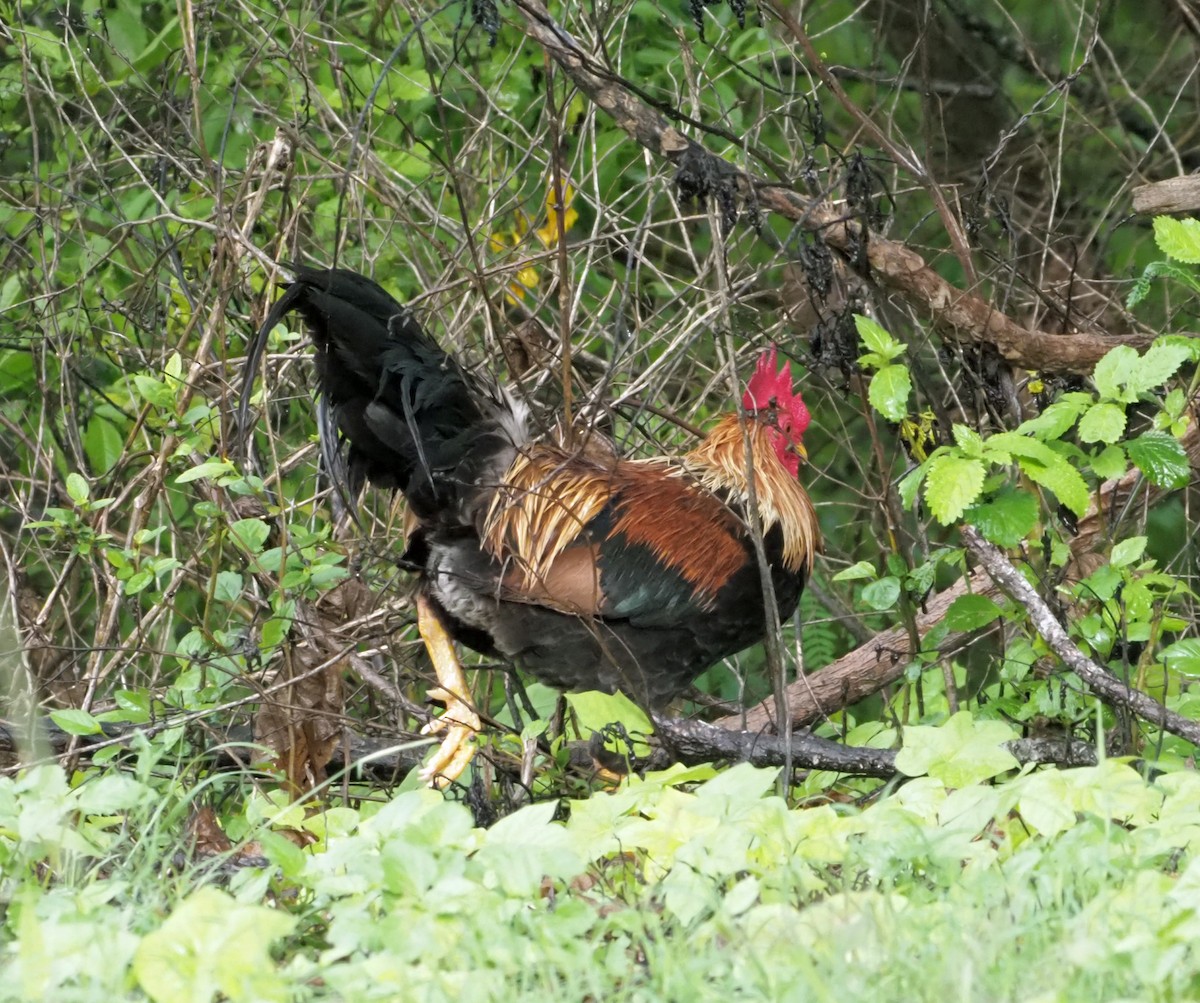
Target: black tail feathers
point(409, 412)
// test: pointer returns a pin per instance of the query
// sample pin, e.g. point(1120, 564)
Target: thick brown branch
point(863, 671)
point(1171, 195)
point(958, 316)
point(690, 741)
point(697, 742)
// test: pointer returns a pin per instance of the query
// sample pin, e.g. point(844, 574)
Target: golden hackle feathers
point(720, 464)
point(545, 500)
point(551, 493)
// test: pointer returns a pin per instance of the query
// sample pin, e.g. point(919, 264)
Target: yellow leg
point(460, 721)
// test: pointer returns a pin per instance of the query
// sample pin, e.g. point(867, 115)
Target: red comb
point(769, 387)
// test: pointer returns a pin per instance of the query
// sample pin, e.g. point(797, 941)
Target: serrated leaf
point(1007, 519)
point(76, 721)
point(1183, 656)
point(1013, 444)
point(876, 338)
point(961, 752)
point(889, 390)
point(1161, 458)
point(1124, 375)
point(1188, 342)
point(1128, 551)
point(953, 483)
point(1178, 238)
point(968, 440)
point(1064, 480)
point(1110, 372)
point(970, 612)
point(1054, 420)
point(77, 488)
point(1139, 291)
point(1161, 361)
point(1166, 269)
point(1110, 463)
point(1103, 422)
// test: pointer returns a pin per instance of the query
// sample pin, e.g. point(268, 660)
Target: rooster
point(585, 569)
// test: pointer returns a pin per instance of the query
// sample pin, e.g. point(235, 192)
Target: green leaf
point(1111, 371)
point(125, 30)
point(1128, 552)
point(970, 612)
point(1161, 361)
point(595, 711)
point(76, 721)
point(1183, 656)
point(1140, 290)
point(1053, 421)
point(409, 84)
point(210, 469)
point(953, 483)
point(863, 569)
point(1178, 238)
point(1161, 458)
point(1007, 445)
point(1007, 519)
point(1103, 422)
point(274, 631)
point(1110, 463)
point(968, 440)
point(77, 488)
point(174, 367)
point(1123, 375)
point(212, 944)
point(889, 390)
point(250, 534)
point(1064, 480)
point(959, 753)
point(134, 706)
point(138, 582)
point(910, 486)
point(877, 339)
point(103, 444)
point(153, 391)
point(228, 587)
point(882, 594)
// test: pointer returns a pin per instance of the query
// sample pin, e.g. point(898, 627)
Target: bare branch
point(958, 316)
point(1102, 682)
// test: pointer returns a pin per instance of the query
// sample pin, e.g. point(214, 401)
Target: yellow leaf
point(548, 234)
